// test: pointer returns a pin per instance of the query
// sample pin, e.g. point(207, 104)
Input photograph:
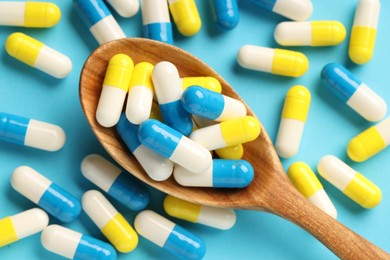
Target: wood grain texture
point(270, 190)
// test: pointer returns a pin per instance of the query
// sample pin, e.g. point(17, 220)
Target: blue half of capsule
point(92, 248)
point(176, 117)
point(128, 132)
point(13, 128)
point(91, 11)
point(159, 32)
point(232, 173)
point(225, 13)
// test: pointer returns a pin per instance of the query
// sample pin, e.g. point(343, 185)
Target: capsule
point(171, 144)
point(363, 34)
point(29, 14)
point(74, 245)
point(167, 85)
point(350, 182)
point(370, 142)
point(117, 183)
point(169, 236)
point(294, 115)
point(99, 20)
point(314, 33)
point(210, 83)
point(125, 8)
point(115, 86)
point(37, 55)
point(186, 16)
point(234, 152)
point(297, 10)
point(111, 223)
point(156, 22)
point(226, 14)
point(274, 61)
point(49, 196)
point(307, 183)
point(21, 225)
point(347, 87)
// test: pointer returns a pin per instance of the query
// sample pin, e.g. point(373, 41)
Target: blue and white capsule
point(74, 245)
point(169, 236)
point(347, 87)
point(226, 14)
point(99, 20)
point(297, 10)
point(49, 196)
point(156, 22)
point(118, 183)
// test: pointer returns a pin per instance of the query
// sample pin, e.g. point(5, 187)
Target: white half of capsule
point(367, 13)
point(53, 62)
point(44, 136)
point(323, 202)
point(383, 129)
point(209, 137)
point(155, 11)
point(110, 105)
point(139, 104)
point(289, 137)
point(107, 29)
point(60, 240)
point(336, 171)
point(29, 222)
point(167, 82)
point(187, 178)
point(232, 109)
point(298, 10)
point(12, 13)
point(220, 218)
point(290, 33)
point(125, 8)
point(256, 58)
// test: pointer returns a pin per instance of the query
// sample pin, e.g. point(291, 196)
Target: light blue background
point(331, 124)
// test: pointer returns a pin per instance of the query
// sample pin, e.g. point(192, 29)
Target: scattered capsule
point(115, 86)
point(125, 8)
point(169, 236)
point(363, 34)
point(167, 85)
point(49, 196)
point(298, 10)
point(186, 16)
point(225, 13)
point(307, 183)
point(234, 152)
point(210, 83)
point(111, 223)
point(171, 144)
point(294, 115)
point(370, 142)
point(314, 33)
point(21, 225)
point(156, 22)
point(275, 61)
point(347, 87)
point(29, 14)
point(351, 183)
point(74, 245)
point(117, 183)
point(99, 20)
point(37, 55)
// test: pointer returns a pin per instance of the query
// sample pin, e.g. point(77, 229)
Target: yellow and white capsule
point(314, 33)
point(111, 223)
point(294, 115)
point(350, 182)
point(37, 55)
point(186, 16)
point(115, 86)
point(370, 142)
point(307, 183)
point(29, 14)
point(275, 61)
point(220, 218)
point(210, 83)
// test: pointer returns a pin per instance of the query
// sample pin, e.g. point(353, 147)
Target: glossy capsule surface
point(37, 55)
point(234, 152)
point(351, 90)
point(125, 8)
point(298, 10)
point(226, 14)
point(49, 196)
point(169, 236)
point(210, 83)
point(350, 182)
point(186, 16)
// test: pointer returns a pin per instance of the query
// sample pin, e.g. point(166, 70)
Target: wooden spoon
point(270, 190)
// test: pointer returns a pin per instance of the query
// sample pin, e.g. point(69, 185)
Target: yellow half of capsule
point(240, 130)
point(155, 112)
point(209, 83)
point(234, 152)
point(119, 71)
point(7, 232)
point(304, 179)
point(186, 17)
point(326, 33)
point(182, 209)
point(142, 75)
point(41, 14)
point(289, 63)
point(120, 234)
point(362, 44)
point(363, 191)
point(23, 48)
point(297, 103)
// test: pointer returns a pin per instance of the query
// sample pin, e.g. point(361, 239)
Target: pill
point(364, 30)
point(298, 10)
point(156, 22)
point(210, 83)
point(307, 183)
point(37, 55)
point(370, 142)
point(169, 236)
point(29, 14)
point(99, 20)
point(21, 225)
point(220, 218)
point(119, 184)
point(292, 122)
point(234, 152)
point(347, 87)
point(225, 13)
point(110, 222)
point(171, 144)
point(46, 194)
point(114, 90)
point(30, 132)
point(74, 245)
point(314, 33)
point(186, 16)
point(125, 8)
point(275, 61)
point(350, 182)
point(167, 84)
point(227, 133)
